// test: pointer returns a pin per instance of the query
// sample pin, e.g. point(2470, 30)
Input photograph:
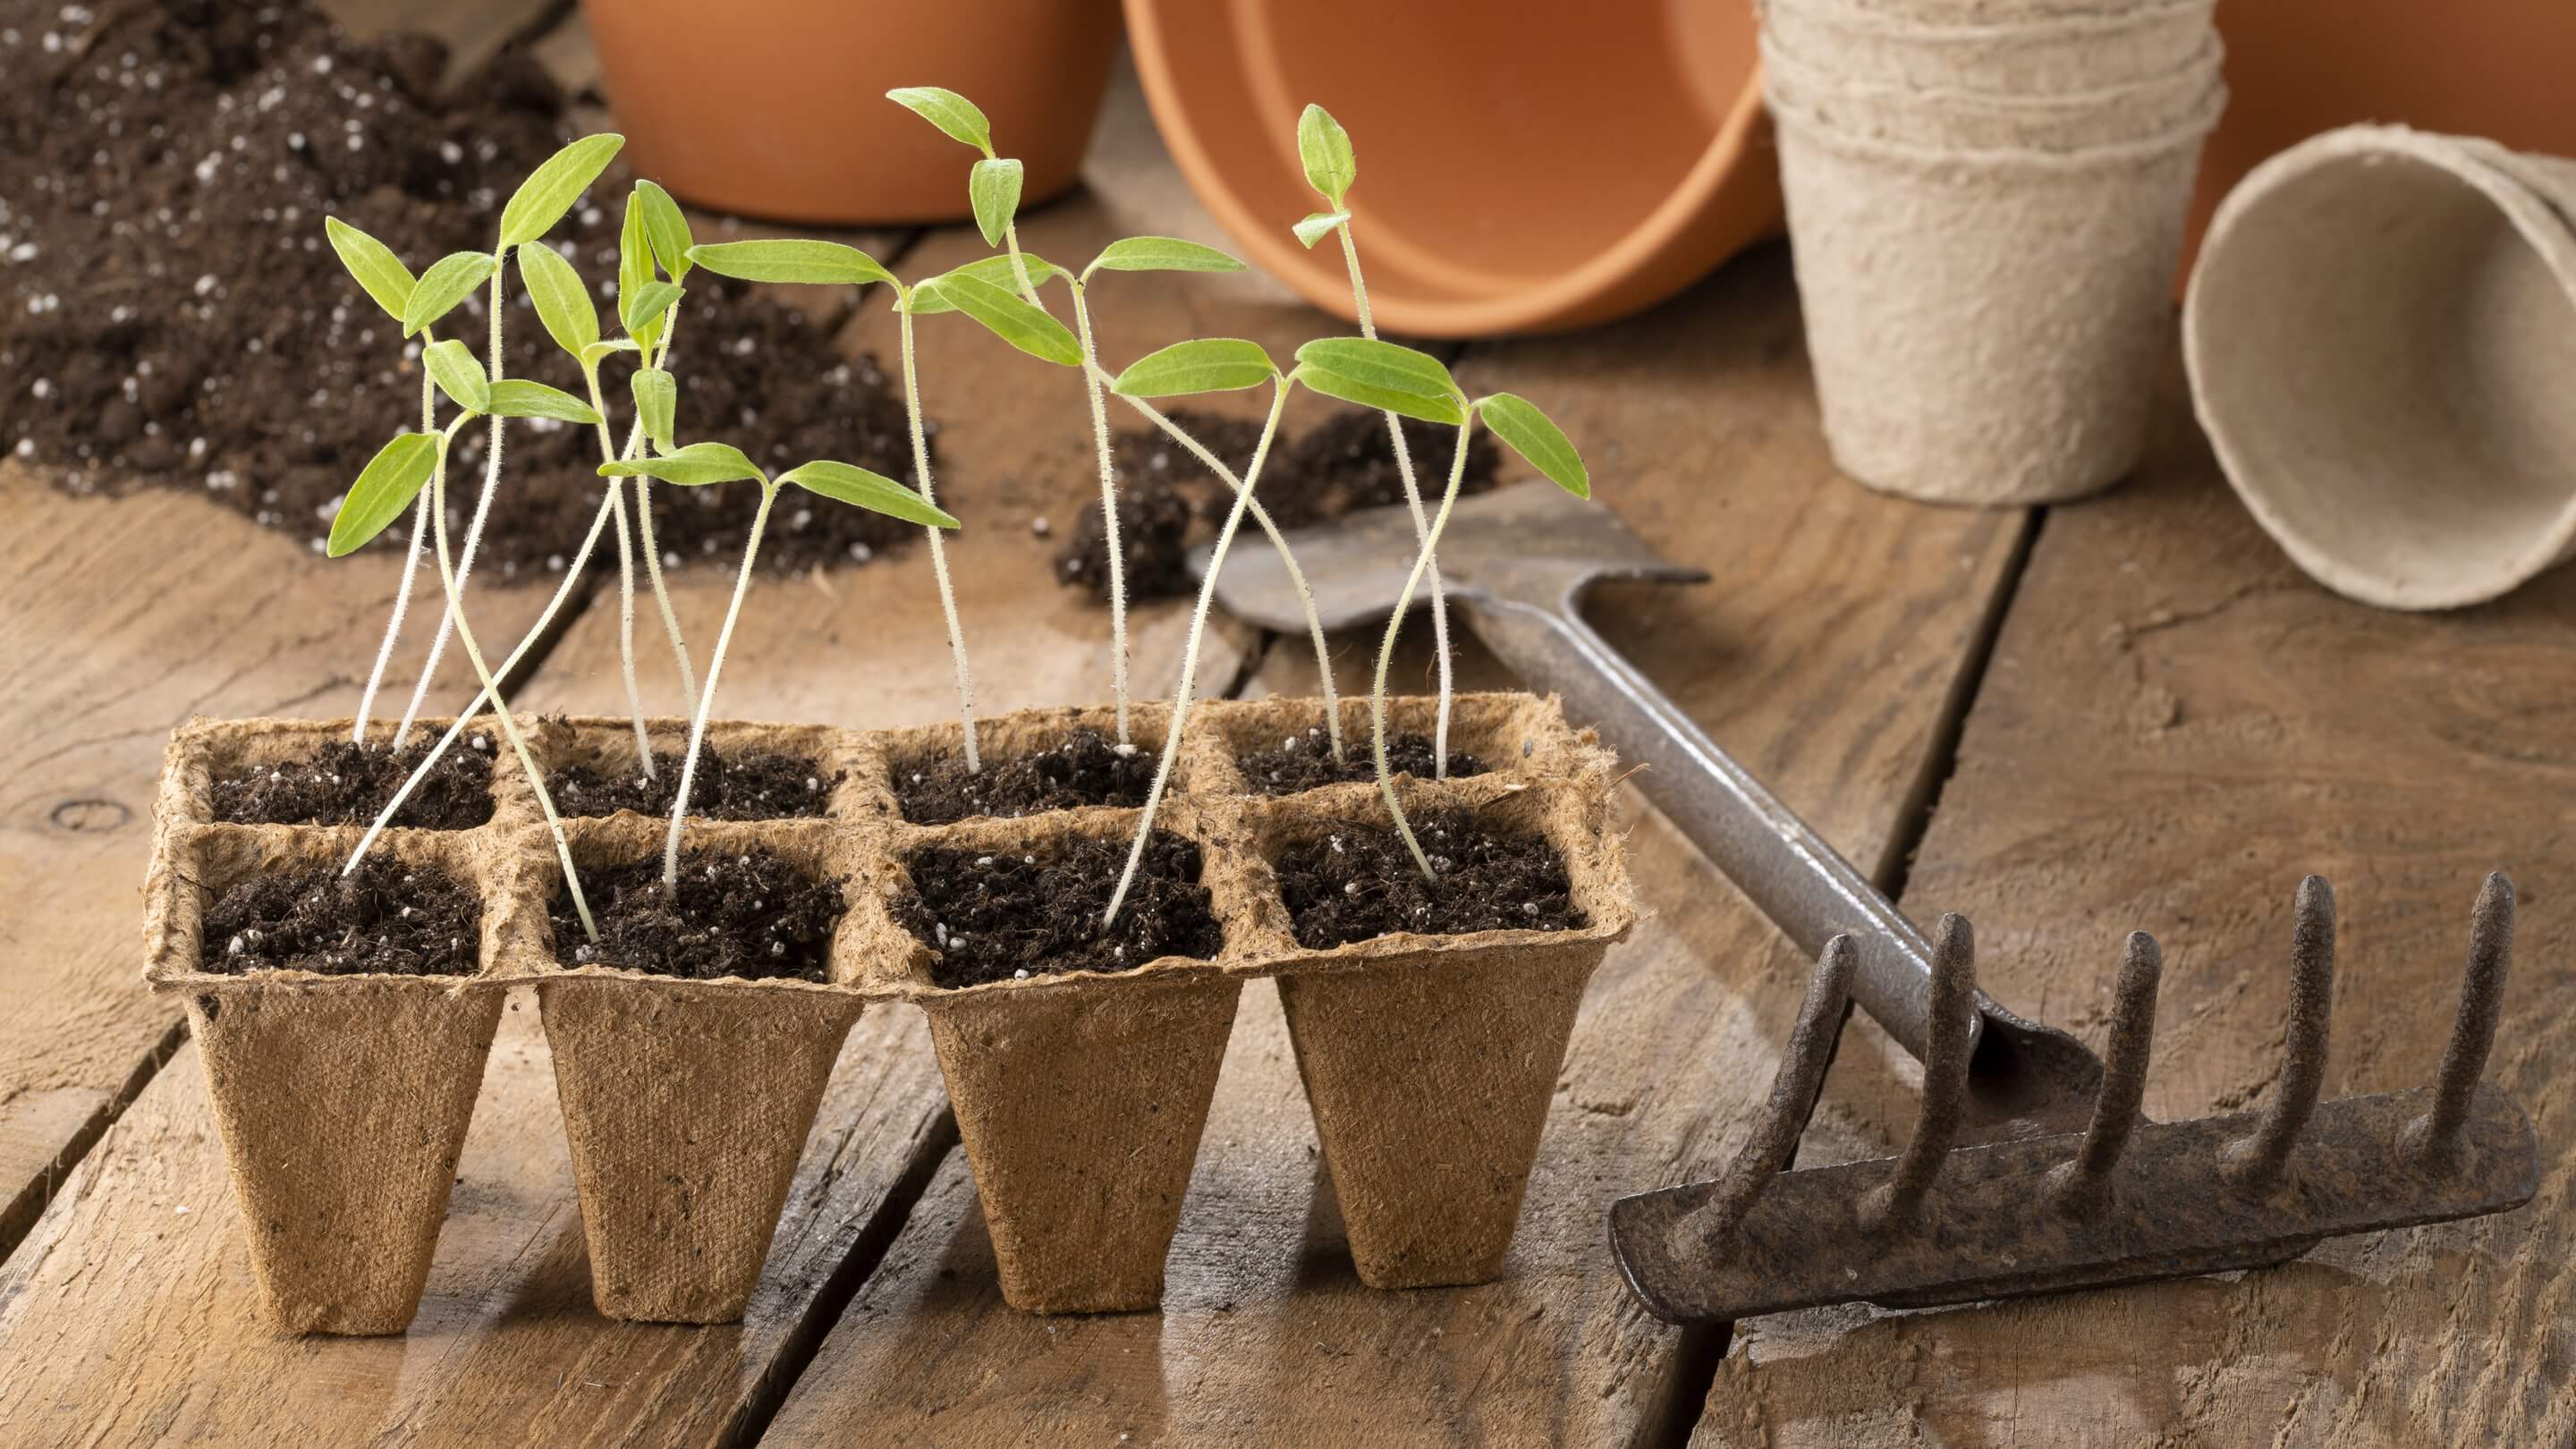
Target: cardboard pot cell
point(1985, 327)
point(1937, 118)
point(1430, 1061)
point(2380, 332)
point(2029, 56)
point(342, 1101)
point(686, 1102)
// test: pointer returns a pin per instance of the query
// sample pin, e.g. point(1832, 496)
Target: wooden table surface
point(2130, 712)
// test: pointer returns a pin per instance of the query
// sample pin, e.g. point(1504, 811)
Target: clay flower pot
point(777, 108)
point(2380, 333)
point(342, 1100)
point(687, 1102)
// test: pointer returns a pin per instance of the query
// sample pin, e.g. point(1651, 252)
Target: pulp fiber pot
point(777, 108)
point(2381, 333)
point(342, 1101)
point(687, 1102)
point(2030, 55)
point(1985, 326)
point(1951, 118)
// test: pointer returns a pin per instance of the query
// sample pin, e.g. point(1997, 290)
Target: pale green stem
point(626, 623)
point(1019, 264)
point(465, 716)
point(1108, 510)
point(1190, 651)
point(707, 701)
point(411, 567)
point(938, 547)
point(1421, 526)
point(482, 510)
point(1386, 651)
point(447, 574)
point(644, 525)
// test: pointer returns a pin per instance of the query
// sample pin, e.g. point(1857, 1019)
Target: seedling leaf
point(634, 274)
point(994, 188)
point(819, 262)
point(598, 350)
point(374, 265)
point(517, 397)
point(448, 281)
point(1533, 436)
point(694, 466)
point(657, 402)
point(1209, 364)
point(641, 310)
point(1318, 226)
point(553, 187)
point(452, 366)
point(1325, 148)
point(667, 226)
point(948, 111)
point(1009, 318)
point(563, 303)
point(1381, 375)
point(862, 489)
point(1162, 254)
point(926, 300)
point(385, 487)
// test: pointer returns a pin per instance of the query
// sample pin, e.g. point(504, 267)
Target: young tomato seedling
point(701, 464)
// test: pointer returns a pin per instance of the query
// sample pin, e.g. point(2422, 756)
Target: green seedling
point(995, 205)
point(1399, 380)
point(701, 465)
point(1324, 149)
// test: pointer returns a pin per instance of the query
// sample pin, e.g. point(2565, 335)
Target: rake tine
point(2255, 1159)
point(1802, 1071)
point(2434, 1138)
point(1895, 1202)
point(2081, 1187)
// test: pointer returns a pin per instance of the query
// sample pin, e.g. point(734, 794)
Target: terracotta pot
point(777, 108)
point(2380, 332)
point(1522, 168)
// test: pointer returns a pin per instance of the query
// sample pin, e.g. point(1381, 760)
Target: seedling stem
point(1098, 385)
point(715, 668)
point(1386, 650)
point(482, 510)
point(411, 567)
point(938, 547)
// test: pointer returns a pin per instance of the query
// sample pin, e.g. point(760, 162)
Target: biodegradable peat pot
point(1985, 326)
point(2025, 55)
point(2381, 333)
point(342, 1100)
point(1946, 118)
point(687, 1102)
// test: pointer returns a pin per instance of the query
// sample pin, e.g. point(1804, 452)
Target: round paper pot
point(1945, 119)
point(1984, 327)
point(1996, 58)
point(2381, 334)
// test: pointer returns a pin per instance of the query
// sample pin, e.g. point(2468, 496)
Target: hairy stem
point(1190, 651)
point(1386, 651)
point(448, 575)
point(473, 526)
point(411, 567)
point(465, 716)
point(626, 623)
point(1421, 525)
point(938, 546)
point(1108, 510)
point(1287, 558)
point(1020, 264)
point(644, 524)
point(707, 701)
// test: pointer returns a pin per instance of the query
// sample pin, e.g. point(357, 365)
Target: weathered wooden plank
point(1824, 652)
point(2176, 727)
point(118, 620)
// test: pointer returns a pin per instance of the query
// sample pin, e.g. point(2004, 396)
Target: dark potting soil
point(999, 916)
point(763, 786)
point(1305, 760)
point(755, 916)
point(1360, 882)
point(1168, 502)
point(346, 783)
point(171, 314)
point(384, 917)
point(1085, 768)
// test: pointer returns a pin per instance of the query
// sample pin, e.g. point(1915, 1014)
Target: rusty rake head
point(2123, 1201)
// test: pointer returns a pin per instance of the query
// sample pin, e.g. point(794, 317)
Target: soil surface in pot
point(1168, 502)
point(755, 916)
point(346, 783)
point(1000, 916)
point(385, 917)
point(759, 786)
point(1085, 768)
point(171, 314)
point(1304, 761)
point(1360, 882)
